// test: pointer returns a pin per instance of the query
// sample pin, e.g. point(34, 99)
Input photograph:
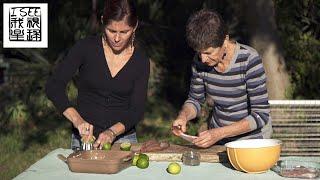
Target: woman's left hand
point(104, 137)
point(208, 138)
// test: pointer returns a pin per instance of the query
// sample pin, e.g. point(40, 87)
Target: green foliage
point(17, 114)
point(298, 23)
point(23, 98)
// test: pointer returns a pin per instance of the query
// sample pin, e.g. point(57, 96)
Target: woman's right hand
point(85, 129)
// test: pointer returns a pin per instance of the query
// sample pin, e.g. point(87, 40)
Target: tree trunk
point(260, 18)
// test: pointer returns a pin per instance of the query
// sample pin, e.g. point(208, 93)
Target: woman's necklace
point(128, 50)
point(116, 61)
point(227, 57)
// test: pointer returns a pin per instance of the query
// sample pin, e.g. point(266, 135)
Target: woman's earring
point(224, 53)
point(104, 37)
point(132, 38)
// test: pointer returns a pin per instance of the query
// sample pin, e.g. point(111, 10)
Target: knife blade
point(181, 134)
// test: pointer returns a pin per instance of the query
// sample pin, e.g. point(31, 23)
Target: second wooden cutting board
point(213, 154)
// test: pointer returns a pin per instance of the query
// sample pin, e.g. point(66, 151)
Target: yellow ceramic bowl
point(254, 155)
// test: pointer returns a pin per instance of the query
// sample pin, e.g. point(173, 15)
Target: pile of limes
point(141, 161)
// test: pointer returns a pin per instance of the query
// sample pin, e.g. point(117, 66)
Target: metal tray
point(99, 161)
point(297, 169)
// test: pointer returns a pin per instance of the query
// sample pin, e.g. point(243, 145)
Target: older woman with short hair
point(231, 77)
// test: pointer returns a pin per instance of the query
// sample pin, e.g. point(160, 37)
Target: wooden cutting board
point(213, 154)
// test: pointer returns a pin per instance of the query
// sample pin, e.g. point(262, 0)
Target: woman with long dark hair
point(112, 83)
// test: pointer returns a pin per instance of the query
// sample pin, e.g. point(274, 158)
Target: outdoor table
point(50, 167)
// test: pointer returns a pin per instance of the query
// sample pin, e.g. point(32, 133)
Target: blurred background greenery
point(30, 127)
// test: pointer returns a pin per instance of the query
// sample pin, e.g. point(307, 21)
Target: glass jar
point(191, 158)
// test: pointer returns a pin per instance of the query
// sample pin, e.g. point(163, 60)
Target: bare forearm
point(235, 129)
point(72, 115)
point(85, 129)
point(188, 112)
point(118, 128)
point(210, 137)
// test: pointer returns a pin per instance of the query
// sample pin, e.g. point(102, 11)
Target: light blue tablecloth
point(50, 167)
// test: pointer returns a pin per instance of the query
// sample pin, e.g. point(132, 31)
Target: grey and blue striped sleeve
point(196, 95)
point(257, 93)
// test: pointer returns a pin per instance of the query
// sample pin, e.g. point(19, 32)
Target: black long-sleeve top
point(102, 100)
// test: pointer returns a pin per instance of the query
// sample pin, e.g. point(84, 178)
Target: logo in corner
point(25, 25)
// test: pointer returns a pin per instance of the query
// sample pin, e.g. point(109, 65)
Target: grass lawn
point(18, 151)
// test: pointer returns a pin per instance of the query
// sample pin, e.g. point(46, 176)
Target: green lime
point(135, 159)
point(174, 168)
point(142, 163)
point(144, 156)
point(106, 146)
point(126, 146)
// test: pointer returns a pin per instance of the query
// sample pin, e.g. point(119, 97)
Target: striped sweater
point(238, 93)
